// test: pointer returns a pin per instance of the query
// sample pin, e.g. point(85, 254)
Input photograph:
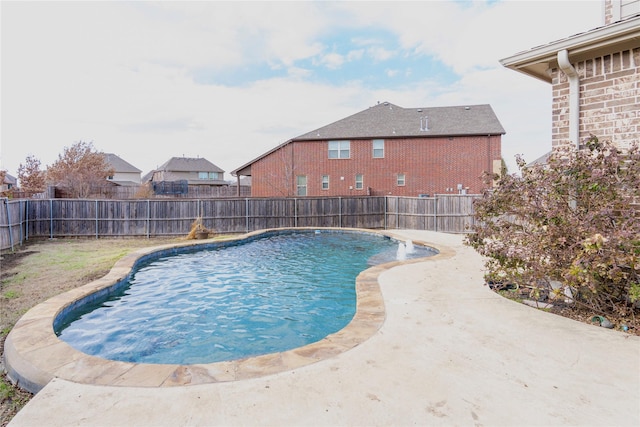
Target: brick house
point(594, 77)
point(384, 150)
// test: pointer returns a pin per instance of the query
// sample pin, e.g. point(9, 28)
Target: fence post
point(397, 213)
point(20, 222)
point(6, 204)
point(148, 218)
point(26, 216)
point(246, 213)
point(435, 213)
point(385, 213)
point(340, 212)
point(51, 218)
point(295, 212)
point(96, 218)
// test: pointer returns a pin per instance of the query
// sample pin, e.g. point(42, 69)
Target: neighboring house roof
point(124, 183)
point(189, 164)
point(148, 176)
point(10, 179)
point(120, 165)
point(542, 160)
point(615, 37)
point(386, 121)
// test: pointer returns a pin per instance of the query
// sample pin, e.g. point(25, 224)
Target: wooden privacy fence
point(22, 219)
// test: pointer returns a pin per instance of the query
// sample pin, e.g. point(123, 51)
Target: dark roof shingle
point(387, 120)
point(120, 165)
point(189, 164)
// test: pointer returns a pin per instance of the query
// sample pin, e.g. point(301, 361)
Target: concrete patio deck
point(450, 352)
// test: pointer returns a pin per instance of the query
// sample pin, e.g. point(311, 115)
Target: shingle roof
point(147, 176)
point(542, 160)
point(120, 165)
point(387, 120)
point(9, 179)
point(189, 164)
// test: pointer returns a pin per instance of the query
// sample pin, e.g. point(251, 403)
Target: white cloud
point(379, 53)
point(122, 74)
point(332, 60)
point(355, 55)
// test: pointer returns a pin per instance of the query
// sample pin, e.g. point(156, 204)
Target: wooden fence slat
point(173, 217)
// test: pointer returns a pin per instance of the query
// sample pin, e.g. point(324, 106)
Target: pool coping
point(34, 355)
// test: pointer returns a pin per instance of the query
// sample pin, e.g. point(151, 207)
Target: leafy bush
point(566, 225)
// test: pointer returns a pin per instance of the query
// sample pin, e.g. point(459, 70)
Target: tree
point(31, 177)
point(567, 225)
point(79, 168)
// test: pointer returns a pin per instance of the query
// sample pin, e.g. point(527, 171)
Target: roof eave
point(536, 61)
point(422, 135)
point(245, 170)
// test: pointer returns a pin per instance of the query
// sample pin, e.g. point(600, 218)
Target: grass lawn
point(41, 269)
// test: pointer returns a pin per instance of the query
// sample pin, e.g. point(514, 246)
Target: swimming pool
point(277, 292)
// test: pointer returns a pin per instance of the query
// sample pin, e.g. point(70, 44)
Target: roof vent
point(424, 124)
point(467, 108)
point(419, 110)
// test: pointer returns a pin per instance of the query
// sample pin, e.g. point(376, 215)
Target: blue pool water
point(267, 295)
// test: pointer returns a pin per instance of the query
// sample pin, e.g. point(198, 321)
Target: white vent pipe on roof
point(574, 96)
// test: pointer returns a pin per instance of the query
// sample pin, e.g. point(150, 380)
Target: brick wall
point(430, 166)
point(608, 12)
point(609, 99)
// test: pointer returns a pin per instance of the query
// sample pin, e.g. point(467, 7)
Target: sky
point(229, 81)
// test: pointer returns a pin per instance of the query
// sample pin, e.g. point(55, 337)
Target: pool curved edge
point(34, 355)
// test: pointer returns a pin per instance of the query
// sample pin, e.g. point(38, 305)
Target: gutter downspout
point(574, 96)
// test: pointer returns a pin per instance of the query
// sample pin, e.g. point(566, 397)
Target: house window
point(208, 175)
point(325, 182)
point(400, 179)
point(378, 148)
point(339, 149)
point(359, 181)
point(301, 183)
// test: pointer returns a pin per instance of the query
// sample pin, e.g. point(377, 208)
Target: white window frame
point(359, 182)
point(401, 179)
point(339, 149)
point(377, 148)
point(301, 187)
point(208, 176)
point(325, 182)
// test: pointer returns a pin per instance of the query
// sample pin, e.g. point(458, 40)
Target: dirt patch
point(9, 260)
